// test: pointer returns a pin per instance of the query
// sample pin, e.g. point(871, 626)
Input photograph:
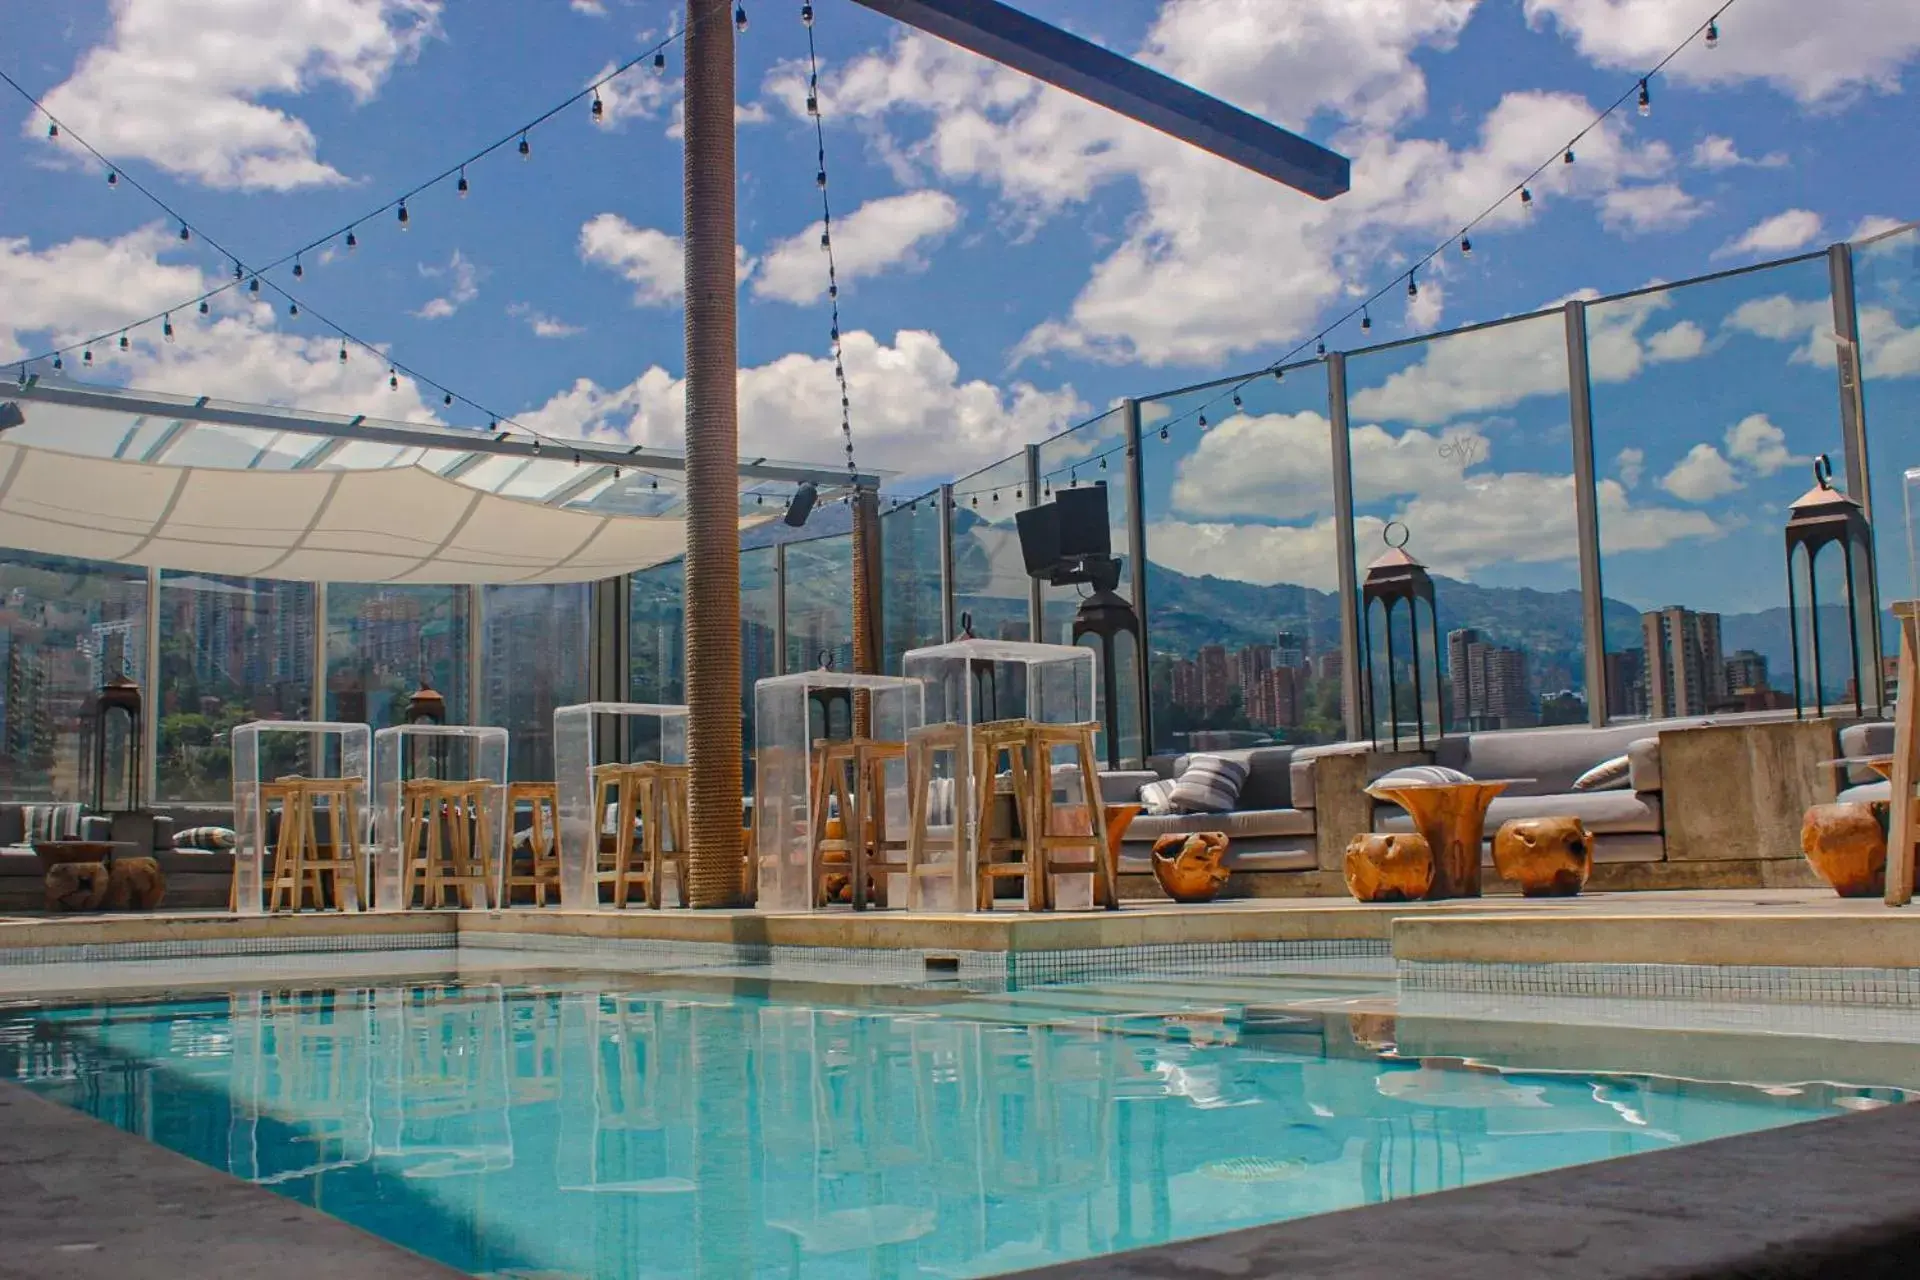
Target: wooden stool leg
point(917, 806)
point(625, 811)
point(979, 839)
point(870, 779)
point(1104, 891)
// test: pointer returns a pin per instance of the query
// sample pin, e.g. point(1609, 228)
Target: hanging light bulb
point(86, 357)
point(238, 274)
point(1203, 422)
point(1103, 459)
point(1237, 402)
point(353, 241)
point(1320, 348)
point(113, 178)
point(1568, 157)
point(53, 130)
point(393, 379)
point(253, 285)
point(1466, 247)
point(806, 15)
point(536, 444)
point(826, 240)
point(293, 309)
point(123, 342)
point(403, 215)
point(1526, 199)
point(1279, 374)
point(1646, 100)
point(447, 399)
point(599, 109)
point(526, 148)
point(820, 179)
point(185, 234)
point(166, 328)
point(740, 18)
point(996, 495)
point(461, 186)
point(1713, 33)
point(660, 62)
point(1366, 320)
point(1413, 287)
point(343, 351)
point(298, 270)
point(203, 307)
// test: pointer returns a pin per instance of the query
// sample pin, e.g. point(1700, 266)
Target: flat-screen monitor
point(1071, 527)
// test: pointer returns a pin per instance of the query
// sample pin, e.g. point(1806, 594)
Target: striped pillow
point(1157, 797)
point(52, 822)
point(1606, 776)
point(1211, 784)
point(216, 839)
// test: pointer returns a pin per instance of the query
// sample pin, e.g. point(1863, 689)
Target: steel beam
point(1045, 52)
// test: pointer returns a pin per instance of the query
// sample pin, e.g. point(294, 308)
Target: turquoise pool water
point(576, 1130)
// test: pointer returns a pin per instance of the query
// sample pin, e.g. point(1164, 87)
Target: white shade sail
point(255, 492)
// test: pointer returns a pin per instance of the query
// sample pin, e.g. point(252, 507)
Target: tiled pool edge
point(1765, 984)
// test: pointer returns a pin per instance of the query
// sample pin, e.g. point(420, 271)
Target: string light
point(1713, 34)
point(353, 242)
point(461, 187)
point(740, 18)
point(526, 148)
point(1366, 320)
point(298, 270)
point(1526, 199)
point(806, 15)
point(166, 328)
point(1646, 99)
point(599, 117)
point(403, 215)
point(1568, 157)
point(1466, 247)
point(1413, 288)
point(826, 231)
point(660, 63)
point(185, 234)
point(113, 178)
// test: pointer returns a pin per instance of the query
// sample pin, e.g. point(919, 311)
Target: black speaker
point(1039, 538)
point(801, 505)
point(1071, 527)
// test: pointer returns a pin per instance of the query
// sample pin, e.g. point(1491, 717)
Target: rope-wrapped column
point(866, 602)
point(712, 592)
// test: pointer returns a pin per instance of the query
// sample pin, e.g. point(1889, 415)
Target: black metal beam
point(1045, 52)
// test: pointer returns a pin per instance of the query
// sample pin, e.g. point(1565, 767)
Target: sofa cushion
point(1302, 783)
point(1157, 797)
point(1210, 784)
point(194, 861)
point(1242, 824)
point(21, 861)
point(1869, 792)
point(213, 839)
point(1608, 775)
point(1874, 738)
point(1549, 759)
point(13, 824)
point(1269, 783)
point(1139, 857)
point(1602, 812)
point(52, 822)
point(1643, 764)
point(1122, 786)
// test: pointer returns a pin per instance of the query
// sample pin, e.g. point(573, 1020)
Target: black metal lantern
point(1823, 515)
point(426, 705)
point(985, 676)
point(833, 704)
point(122, 695)
point(1396, 578)
point(1106, 616)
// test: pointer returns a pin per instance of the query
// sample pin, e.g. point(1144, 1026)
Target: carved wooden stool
point(925, 746)
point(302, 864)
point(543, 849)
point(1191, 868)
point(850, 777)
point(1053, 837)
point(1546, 857)
point(1847, 844)
point(1389, 868)
point(447, 834)
point(656, 795)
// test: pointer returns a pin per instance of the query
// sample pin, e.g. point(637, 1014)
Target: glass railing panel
point(910, 581)
point(820, 603)
point(1886, 290)
point(657, 634)
point(990, 583)
point(533, 658)
point(384, 642)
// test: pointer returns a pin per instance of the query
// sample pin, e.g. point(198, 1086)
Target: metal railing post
point(1351, 673)
point(1586, 508)
point(1137, 547)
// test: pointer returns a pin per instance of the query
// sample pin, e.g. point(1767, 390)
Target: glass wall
point(1095, 453)
point(384, 641)
point(1710, 401)
point(1465, 441)
point(1886, 291)
point(1242, 579)
point(231, 650)
point(657, 635)
point(533, 658)
point(820, 603)
point(66, 626)
point(990, 583)
point(910, 598)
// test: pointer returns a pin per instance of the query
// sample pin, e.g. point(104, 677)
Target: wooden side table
point(1453, 818)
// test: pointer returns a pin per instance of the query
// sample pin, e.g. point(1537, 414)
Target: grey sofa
point(1267, 831)
point(1857, 782)
point(195, 877)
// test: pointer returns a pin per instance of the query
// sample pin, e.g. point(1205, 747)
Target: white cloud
point(653, 260)
point(1874, 224)
point(70, 291)
point(1178, 286)
point(1630, 464)
point(636, 94)
point(463, 286)
point(592, 8)
point(1657, 206)
point(912, 411)
point(1682, 341)
point(1755, 441)
point(1887, 349)
point(1701, 476)
point(1809, 55)
point(879, 235)
point(542, 324)
point(1717, 152)
point(1782, 233)
point(180, 82)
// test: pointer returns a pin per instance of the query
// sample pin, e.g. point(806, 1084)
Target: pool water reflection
point(567, 1131)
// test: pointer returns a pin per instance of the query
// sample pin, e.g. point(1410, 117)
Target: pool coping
point(87, 1201)
point(1825, 1198)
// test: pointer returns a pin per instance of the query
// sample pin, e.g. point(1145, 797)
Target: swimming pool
point(603, 1127)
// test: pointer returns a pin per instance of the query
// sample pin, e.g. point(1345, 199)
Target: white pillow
point(1608, 775)
point(1157, 797)
point(1211, 784)
point(1421, 774)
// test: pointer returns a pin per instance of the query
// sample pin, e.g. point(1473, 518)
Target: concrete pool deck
point(1776, 927)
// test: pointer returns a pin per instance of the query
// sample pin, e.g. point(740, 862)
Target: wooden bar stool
point(1044, 840)
point(924, 746)
point(446, 821)
point(655, 794)
point(543, 849)
point(850, 776)
point(302, 865)
point(994, 853)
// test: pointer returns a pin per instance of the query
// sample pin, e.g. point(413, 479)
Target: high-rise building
point(1747, 671)
point(1488, 683)
point(1289, 650)
point(1274, 701)
point(1460, 675)
point(1685, 672)
point(1215, 678)
point(1250, 667)
point(1626, 682)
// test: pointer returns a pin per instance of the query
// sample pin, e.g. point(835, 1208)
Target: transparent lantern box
point(974, 682)
point(791, 715)
point(585, 736)
point(1912, 496)
point(440, 1082)
point(266, 750)
point(449, 753)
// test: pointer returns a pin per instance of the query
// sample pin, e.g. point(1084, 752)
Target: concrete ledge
point(94, 930)
point(1884, 939)
point(1831, 1198)
point(85, 1201)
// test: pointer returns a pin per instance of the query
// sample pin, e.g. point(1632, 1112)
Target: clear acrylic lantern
point(791, 715)
point(447, 753)
point(971, 682)
point(265, 750)
point(585, 736)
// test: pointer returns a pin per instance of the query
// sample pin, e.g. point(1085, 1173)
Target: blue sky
point(1014, 260)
